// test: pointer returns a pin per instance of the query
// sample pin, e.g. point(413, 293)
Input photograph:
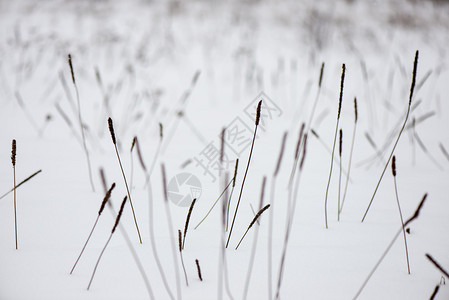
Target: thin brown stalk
point(412, 87)
point(180, 254)
point(13, 160)
point(393, 169)
point(412, 218)
point(259, 106)
point(339, 175)
point(232, 191)
point(437, 265)
point(103, 203)
point(83, 137)
point(335, 138)
point(117, 220)
point(114, 141)
point(170, 230)
point(256, 217)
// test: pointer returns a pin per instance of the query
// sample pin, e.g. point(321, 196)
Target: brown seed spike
point(321, 75)
point(304, 151)
point(111, 130)
point(71, 68)
point(161, 130)
point(164, 182)
point(418, 210)
point(258, 215)
point(412, 87)
point(117, 220)
point(393, 165)
point(106, 198)
point(259, 106)
point(235, 172)
point(355, 110)
point(133, 143)
point(179, 240)
point(340, 148)
point(13, 153)
point(199, 269)
point(343, 71)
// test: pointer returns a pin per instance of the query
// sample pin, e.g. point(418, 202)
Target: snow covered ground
point(197, 67)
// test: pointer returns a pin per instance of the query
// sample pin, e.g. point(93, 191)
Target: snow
point(147, 54)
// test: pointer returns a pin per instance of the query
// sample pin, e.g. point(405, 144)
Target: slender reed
point(232, 191)
point(198, 269)
point(339, 174)
point(180, 254)
point(259, 106)
point(412, 87)
point(215, 203)
point(254, 248)
point(335, 138)
point(170, 229)
point(13, 160)
point(186, 226)
point(256, 217)
point(271, 217)
point(151, 225)
point(133, 143)
point(114, 141)
point(80, 120)
point(295, 163)
point(444, 151)
point(437, 265)
point(156, 155)
point(19, 184)
point(290, 219)
point(393, 169)
point(103, 203)
point(117, 220)
point(350, 154)
point(412, 218)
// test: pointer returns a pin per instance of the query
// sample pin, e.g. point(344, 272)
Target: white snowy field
point(197, 67)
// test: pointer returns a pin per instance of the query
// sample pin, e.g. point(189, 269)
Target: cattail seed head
point(258, 215)
point(199, 269)
point(117, 220)
point(179, 240)
point(111, 130)
point(133, 143)
point(341, 142)
point(235, 172)
point(13, 153)
point(393, 165)
point(161, 130)
point(259, 106)
point(343, 71)
point(355, 110)
point(71, 68)
point(321, 75)
point(412, 87)
point(106, 198)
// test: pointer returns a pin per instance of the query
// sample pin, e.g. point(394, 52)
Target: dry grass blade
point(437, 265)
point(180, 254)
point(412, 87)
point(19, 184)
point(232, 191)
point(259, 106)
point(343, 70)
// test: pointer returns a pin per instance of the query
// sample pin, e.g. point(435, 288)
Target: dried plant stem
point(399, 135)
point(335, 139)
point(400, 212)
point(180, 254)
point(256, 234)
point(151, 225)
point(80, 120)
point(170, 230)
point(290, 220)
point(15, 208)
point(228, 205)
point(350, 155)
point(246, 171)
point(22, 182)
point(339, 178)
point(85, 244)
point(216, 201)
point(415, 215)
point(111, 129)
